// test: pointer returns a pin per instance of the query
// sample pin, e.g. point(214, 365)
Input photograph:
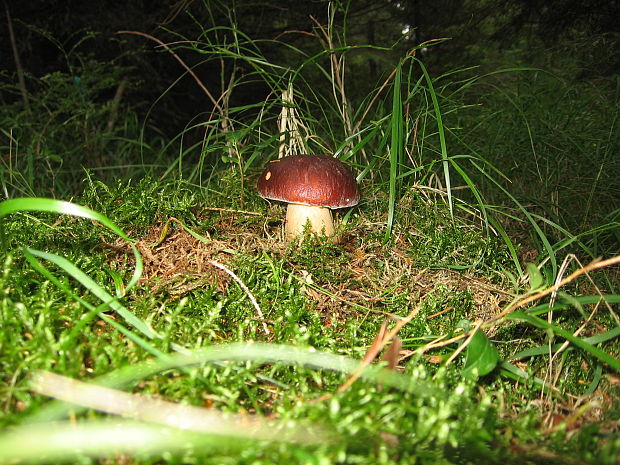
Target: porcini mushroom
point(311, 185)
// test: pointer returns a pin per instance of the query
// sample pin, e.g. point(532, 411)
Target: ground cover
point(466, 313)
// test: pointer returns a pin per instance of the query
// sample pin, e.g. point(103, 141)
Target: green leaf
point(509, 370)
point(534, 276)
point(481, 356)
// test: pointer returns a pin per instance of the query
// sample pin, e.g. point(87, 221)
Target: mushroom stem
point(297, 215)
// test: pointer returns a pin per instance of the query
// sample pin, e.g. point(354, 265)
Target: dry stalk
point(183, 64)
point(549, 375)
point(176, 9)
point(337, 71)
point(594, 265)
point(553, 374)
point(18, 64)
point(462, 347)
point(245, 289)
point(289, 124)
point(231, 210)
point(220, 105)
point(382, 339)
point(116, 100)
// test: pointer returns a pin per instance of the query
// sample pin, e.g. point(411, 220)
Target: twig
point(18, 63)
point(187, 68)
point(231, 210)
point(465, 344)
point(177, 8)
point(245, 288)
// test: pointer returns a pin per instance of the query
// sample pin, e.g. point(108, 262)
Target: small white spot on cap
point(268, 175)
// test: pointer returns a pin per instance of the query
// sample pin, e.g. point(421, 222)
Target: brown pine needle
point(593, 265)
point(377, 347)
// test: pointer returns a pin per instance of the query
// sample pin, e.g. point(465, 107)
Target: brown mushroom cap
point(317, 180)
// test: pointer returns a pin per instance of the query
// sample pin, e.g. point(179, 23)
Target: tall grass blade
point(92, 286)
point(539, 232)
point(396, 148)
point(442, 136)
point(579, 342)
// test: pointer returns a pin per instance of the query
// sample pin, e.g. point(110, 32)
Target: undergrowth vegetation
point(467, 312)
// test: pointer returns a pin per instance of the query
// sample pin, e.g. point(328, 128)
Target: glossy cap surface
point(317, 180)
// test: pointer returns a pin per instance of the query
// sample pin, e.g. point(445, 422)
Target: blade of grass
point(89, 284)
point(396, 148)
point(544, 350)
point(165, 413)
point(62, 207)
point(103, 438)
point(539, 232)
point(579, 342)
point(442, 137)
point(243, 352)
point(513, 372)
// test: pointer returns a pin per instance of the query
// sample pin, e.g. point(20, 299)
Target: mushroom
point(311, 185)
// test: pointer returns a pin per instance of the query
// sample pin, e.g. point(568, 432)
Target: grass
point(336, 309)
point(171, 323)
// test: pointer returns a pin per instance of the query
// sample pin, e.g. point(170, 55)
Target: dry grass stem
point(462, 347)
point(245, 289)
point(186, 417)
point(291, 141)
point(593, 265)
point(377, 347)
point(183, 64)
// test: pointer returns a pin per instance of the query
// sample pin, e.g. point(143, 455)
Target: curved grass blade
point(539, 232)
point(543, 350)
point(511, 371)
point(156, 410)
point(92, 311)
point(244, 352)
point(91, 285)
point(62, 207)
point(442, 136)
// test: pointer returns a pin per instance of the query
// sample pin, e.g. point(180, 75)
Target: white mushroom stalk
point(297, 216)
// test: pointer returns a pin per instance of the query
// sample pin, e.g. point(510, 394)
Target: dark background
point(53, 36)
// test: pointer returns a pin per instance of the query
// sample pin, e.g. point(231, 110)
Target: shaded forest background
point(52, 36)
point(84, 96)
